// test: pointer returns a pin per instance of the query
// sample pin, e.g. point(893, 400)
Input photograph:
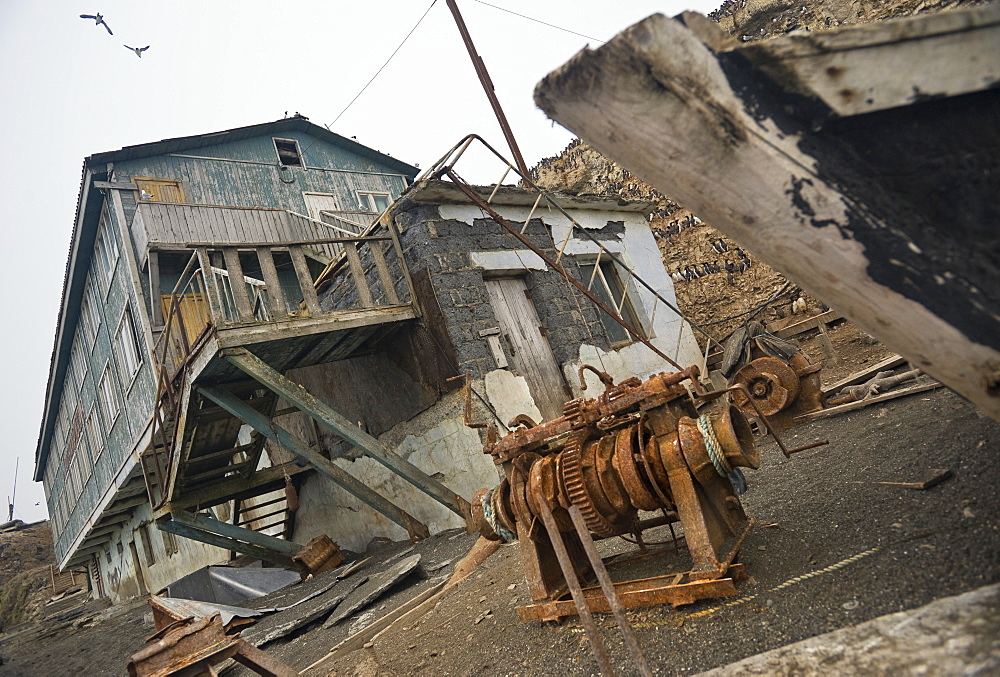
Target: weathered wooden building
point(275, 306)
point(139, 209)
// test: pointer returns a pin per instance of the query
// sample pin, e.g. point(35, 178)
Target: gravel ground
point(814, 511)
point(903, 549)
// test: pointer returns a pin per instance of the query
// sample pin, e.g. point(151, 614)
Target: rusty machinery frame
point(641, 445)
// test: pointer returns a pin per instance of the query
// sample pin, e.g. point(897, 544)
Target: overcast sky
point(70, 90)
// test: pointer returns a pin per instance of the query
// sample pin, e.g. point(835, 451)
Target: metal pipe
point(484, 78)
point(641, 664)
point(569, 573)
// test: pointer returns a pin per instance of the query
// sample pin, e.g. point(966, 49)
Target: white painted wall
point(118, 575)
point(438, 442)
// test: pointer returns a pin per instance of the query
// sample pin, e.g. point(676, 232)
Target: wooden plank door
point(531, 355)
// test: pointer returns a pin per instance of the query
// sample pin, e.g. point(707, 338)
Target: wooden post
point(303, 400)
point(224, 542)
point(341, 477)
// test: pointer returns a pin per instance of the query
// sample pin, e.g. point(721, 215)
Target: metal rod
point(569, 573)
point(484, 78)
point(641, 664)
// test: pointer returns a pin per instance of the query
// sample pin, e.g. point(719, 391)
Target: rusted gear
point(576, 489)
point(626, 446)
point(543, 487)
point(772, 384)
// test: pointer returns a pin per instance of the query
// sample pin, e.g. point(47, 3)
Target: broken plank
point(865, 374)
point(758, 177)
point(939, 476)
point(412, 610)
point(380, 585)
point(813, 322)
point(304, 617)
point(860, 404)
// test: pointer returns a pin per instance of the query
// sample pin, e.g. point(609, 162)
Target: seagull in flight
point(138, 50)
point(98, 21)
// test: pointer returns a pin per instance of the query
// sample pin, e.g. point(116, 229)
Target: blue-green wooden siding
point(203, 182)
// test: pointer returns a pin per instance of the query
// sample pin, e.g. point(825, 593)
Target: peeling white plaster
point(449, 452)
point(513, 260)
point(509, 395)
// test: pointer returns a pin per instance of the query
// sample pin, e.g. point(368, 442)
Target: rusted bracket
point(603, 375)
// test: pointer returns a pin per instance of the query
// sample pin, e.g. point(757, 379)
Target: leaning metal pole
point(484, 78)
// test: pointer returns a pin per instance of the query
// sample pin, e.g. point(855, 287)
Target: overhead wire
point(379, 71)
point(544, 23)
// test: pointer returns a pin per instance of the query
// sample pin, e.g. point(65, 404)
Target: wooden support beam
point(276, 296)
point(656, 100)
point(358, 274)
point(383, 273)
point(305, 280)
point(220, 528)
point(126, 505)
point(864, 375)
point(240, 297)
point(860, 404)
point(261, 482)
point(341, 477)
point(225, 543)
point(325, 415)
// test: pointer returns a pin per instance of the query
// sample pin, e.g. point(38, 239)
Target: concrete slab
point(957, 635)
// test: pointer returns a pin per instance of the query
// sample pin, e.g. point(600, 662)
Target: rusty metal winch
point(640, 446)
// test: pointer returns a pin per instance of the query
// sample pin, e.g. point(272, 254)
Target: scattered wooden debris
point(852, 406)
point(938, 476)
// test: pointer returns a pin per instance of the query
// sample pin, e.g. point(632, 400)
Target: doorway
point(530, 354)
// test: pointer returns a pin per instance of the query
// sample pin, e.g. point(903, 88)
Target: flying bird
point(138, 50)
point(98, 21)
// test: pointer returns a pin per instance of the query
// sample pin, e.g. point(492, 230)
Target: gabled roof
point(296, 123)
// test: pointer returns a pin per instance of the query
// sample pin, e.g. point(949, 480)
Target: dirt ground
point(814, 511)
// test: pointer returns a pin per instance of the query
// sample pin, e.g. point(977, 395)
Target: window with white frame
point(105, 254)
point(127, 346)
point(289, 154)
point(601, 278)
point(107, 395)
point(374, 202)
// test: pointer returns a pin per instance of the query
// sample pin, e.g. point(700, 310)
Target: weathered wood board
point(907, 249)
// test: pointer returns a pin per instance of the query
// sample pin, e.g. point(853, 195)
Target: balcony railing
point(255, 284)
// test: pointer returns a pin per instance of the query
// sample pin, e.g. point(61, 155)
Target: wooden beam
point(219, 528)
point(263, 481)
point(116, 185)
point(325, 415)
point(860, 404)
point(305, 279)
point(658, 101)
point(275, 294)
point(240, 297)
point(358, 275)
point(341, 477)
point(862, 376)
point(805, 325)
point(225, 543)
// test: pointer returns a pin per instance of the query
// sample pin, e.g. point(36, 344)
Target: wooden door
point(531, 356)
point(317, 203)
